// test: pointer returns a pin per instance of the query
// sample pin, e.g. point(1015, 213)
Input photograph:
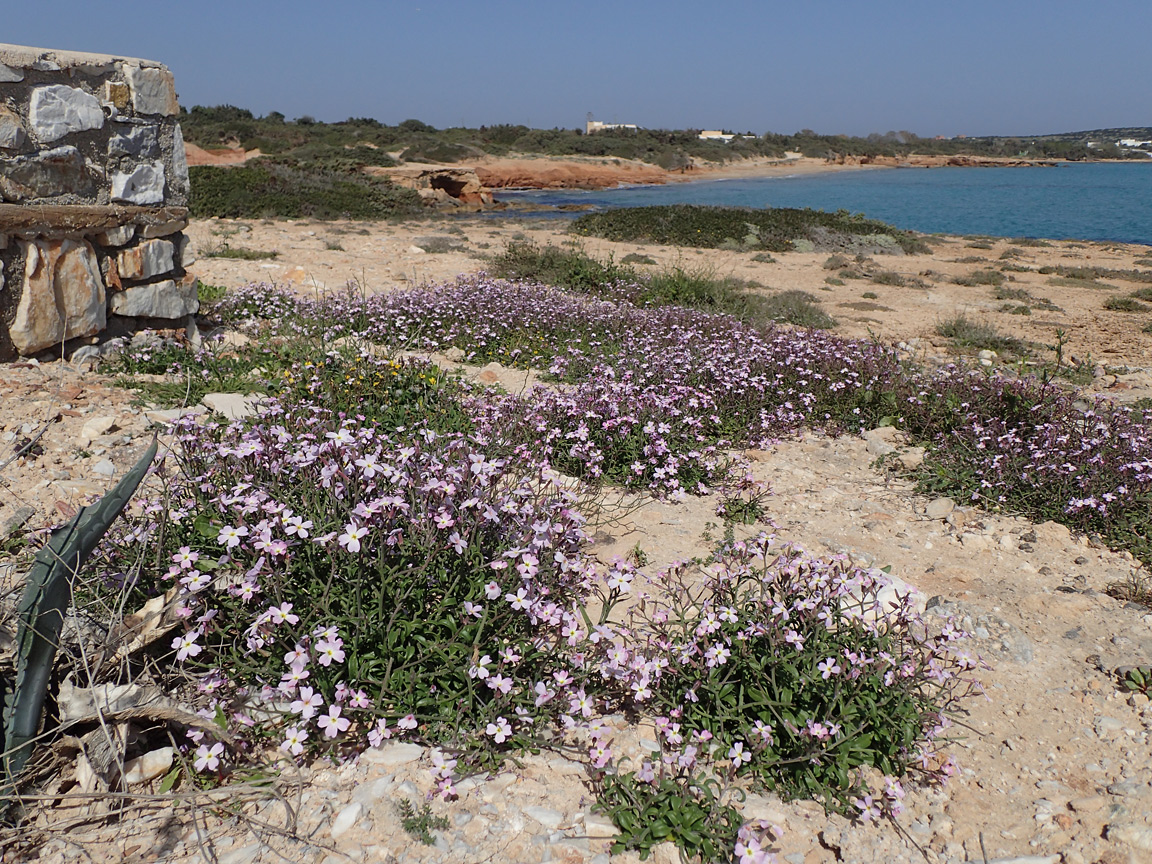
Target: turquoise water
point(1100, 201)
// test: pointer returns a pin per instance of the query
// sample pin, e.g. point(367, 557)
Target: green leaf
point(169, 781)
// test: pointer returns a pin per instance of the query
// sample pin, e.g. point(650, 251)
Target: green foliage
point(685, 810)
point(775, 229)
point(1124, 304)
point(889, 277)
point(209, 293)
point(238, 253)
point(262, 189)
point(633, 258)
point(981, 277)
point(796, 307)
point(1138, 679)
point(420, 823)
point(968, 333)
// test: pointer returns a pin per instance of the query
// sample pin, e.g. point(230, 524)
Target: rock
point(939, 508)
point(8, 75)
point(977, 542)
point(546, 816)
point(390, 755)
point(244, 855)
point(346, 818)
point(16, 520)
point(104, 468)
point(140, 142)
point(119, 236)
point(666, 853)
point(117, 93)
point(58, 110)
point(63, 295)
point(96, 427)
point(153, 90)
point(85, 354)
point(1088, 804)
point(912, 458)
point(598, 826)
point(234, 406)
point(880, 447)
point(1134, 835)
point(167, 299)
point(179, 160)
point(164, 229)
point(1106, 727)
point(144, 185)
point(164, 416)
point(150, 258)
point(149, 766)
point(45, 175)
point(11, 129)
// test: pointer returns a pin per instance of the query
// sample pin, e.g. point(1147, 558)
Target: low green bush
point(968, 333)
point(774, 229)
point(263, 189)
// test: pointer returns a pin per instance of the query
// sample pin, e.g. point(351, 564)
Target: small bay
point(1085, 201)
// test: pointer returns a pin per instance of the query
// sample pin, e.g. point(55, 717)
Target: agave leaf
point(40, 614)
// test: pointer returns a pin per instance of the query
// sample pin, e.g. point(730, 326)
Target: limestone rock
point(179, 160)
point(119, 236)
point(150, 258)
point(11, 129)
point(151, 765)
point(63, 295)
point(9, 75)
point(165, 299)
point(45, 175)
point(153, 90)
point(163, 229)
point(141, 142)
point(144, 185)
point(939, 508)
point(59, 110)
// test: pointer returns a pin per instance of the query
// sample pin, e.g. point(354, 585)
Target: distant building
point(1132, 142)
point(716, 135)
point(597, 126)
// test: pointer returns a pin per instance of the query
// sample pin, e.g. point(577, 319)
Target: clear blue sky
point(931, 67)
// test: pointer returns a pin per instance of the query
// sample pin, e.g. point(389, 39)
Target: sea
point(1085, 201)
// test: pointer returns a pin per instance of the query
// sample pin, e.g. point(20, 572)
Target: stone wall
point(93, 199)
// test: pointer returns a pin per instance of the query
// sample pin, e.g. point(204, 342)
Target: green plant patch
point(980, 277)
point(775, 229)
point(263, 189)
point(1124, 304)
point(889, 277)
point(634, 258)
point(969, 333)
point(240, 254)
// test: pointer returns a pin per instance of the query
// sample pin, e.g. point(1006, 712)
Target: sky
point(1009, 67)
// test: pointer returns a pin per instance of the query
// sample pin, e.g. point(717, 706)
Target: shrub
point(798, 308)
point(888, 277)
point(978, 334)
point(1124, 304)
point(265, 189)
point(981, 277)
point(775, 229)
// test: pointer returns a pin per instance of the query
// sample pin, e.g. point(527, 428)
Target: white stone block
point(118, 236)
point(165, 299)
point(144, 185)
point(11, 129)
point(153, 90)
point(9, 75)
point(59, 110)
point(150, 258)
point(179, 160)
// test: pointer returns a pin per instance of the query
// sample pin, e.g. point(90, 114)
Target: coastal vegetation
point(775, 229)
point(361, 141)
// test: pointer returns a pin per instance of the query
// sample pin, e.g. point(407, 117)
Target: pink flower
point(332, 723)
point(307, 704)
point(353, 534)
point(294, 738)
point(208, 758)
point(500, 730)
point(328, 653)
point(186, 645)
point(407, 722)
